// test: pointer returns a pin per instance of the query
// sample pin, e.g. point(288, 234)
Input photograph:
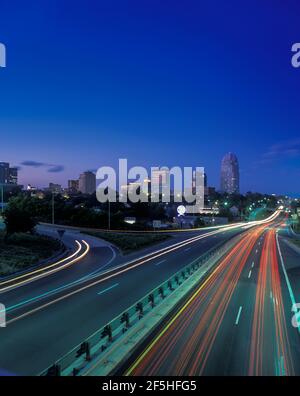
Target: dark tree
point(20, 215)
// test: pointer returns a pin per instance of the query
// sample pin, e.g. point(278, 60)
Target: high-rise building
point(136, 188)
point(87, 183)
point(4, 172)
point(160, 178)
point(13, 176)
point(73, 186)
point(160, 184)
point(200, 177)
point(8, 175)
point(230, 176)
point(54, 188)
point(130, 188)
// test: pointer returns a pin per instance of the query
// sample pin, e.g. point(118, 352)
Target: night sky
point(157, 82)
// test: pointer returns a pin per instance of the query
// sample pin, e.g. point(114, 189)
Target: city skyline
point(149, 193)
point(157, 87)
point(230, 174)
point(69, 183)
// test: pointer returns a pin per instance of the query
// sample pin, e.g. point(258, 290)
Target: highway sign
point(61, 233)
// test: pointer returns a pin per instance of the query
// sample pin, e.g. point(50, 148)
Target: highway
point(237, 322)
point(49, 316)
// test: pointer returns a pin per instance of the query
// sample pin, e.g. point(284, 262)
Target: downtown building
point(8, 181)
point(54, 188)
point(87, 183)
point(160, 184)
point(8, 175)
point(160, 178)
point(73, 186)
point(230, 175)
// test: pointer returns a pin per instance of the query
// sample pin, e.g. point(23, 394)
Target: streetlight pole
point(52, 207)
point(2, 198)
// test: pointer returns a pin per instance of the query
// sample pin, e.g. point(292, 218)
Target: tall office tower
point(4, 172)
point(73, 186)
point(200, 176)
point(160, 184)
point(8, 175)
point(130, 187)
point(160, 178)
point(205, 180)
point(13, 176)
point(55, 188)
point(87, 183)
point(230, 176)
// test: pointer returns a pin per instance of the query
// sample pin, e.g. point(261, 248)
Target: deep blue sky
point(157, 82)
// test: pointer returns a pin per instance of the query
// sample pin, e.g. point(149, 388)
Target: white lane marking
point(293, 232)
point(187, 249)
point(122, 268)
point(249, 275)
point(111, 260)
point(108, 288)
point(252, 264)
point(291, 245)
point(110, 273)
point(96, 273)
point(282, 365)
point(42, 275)
point(160, 262)
point(287, 279)
point(238, 316)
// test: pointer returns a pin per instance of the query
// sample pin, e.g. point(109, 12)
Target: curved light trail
point(118, 270)
point(191, 333)
point(262, 339)
point(45, 271)
point(190, 343)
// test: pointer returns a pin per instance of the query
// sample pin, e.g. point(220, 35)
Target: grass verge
point(21, 251)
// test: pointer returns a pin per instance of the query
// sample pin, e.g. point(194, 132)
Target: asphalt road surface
point(48, 317)
point(238, 321)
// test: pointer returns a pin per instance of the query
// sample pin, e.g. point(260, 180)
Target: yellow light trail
point(131, 265)
point(46, 270)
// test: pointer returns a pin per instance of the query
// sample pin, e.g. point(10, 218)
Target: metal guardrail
point(72, 362)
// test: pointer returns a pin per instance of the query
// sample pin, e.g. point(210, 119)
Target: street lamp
point(2, 197)
point(109, 214)
point(53, 219)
